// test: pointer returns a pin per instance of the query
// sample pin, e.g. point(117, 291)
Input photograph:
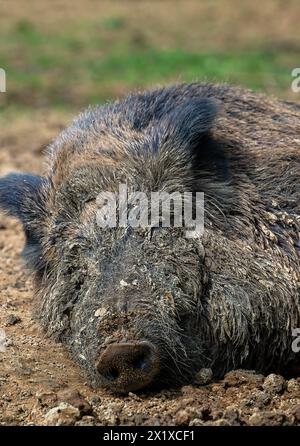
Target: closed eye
point(90, 200)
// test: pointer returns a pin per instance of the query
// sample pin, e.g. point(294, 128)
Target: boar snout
point(130, 366)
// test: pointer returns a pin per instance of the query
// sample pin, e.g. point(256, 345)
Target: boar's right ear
point(187, 123)
point(21, 196)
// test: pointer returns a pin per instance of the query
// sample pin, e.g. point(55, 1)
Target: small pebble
point(75, 399)
point(86, 421)
point(62, 415)
point(293, 385)
point(12, 319)
point(203, 377)
point(274, 384)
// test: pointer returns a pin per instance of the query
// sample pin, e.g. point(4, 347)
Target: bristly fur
point(228, 300)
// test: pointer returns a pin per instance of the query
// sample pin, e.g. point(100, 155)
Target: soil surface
point(40, 384)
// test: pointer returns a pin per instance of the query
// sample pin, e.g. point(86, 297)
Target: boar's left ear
point(21, 196)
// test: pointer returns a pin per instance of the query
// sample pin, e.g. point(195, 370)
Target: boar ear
point(185, 125)
point(21, 196)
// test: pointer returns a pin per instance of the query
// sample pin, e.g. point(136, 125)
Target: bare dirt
point(40, 384)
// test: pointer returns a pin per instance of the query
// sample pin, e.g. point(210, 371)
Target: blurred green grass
point(91, 62)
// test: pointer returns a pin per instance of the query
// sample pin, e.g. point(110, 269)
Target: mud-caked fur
point(229, 299)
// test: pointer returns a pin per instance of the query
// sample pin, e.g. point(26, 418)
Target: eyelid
point(89, 200)
point(88, 205)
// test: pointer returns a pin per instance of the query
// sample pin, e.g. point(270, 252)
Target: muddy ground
point(39, 383)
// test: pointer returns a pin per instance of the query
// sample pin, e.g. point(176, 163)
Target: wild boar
point(148, 306)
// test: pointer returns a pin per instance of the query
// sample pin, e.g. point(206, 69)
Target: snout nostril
point(112, 374)
point(141, 362)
